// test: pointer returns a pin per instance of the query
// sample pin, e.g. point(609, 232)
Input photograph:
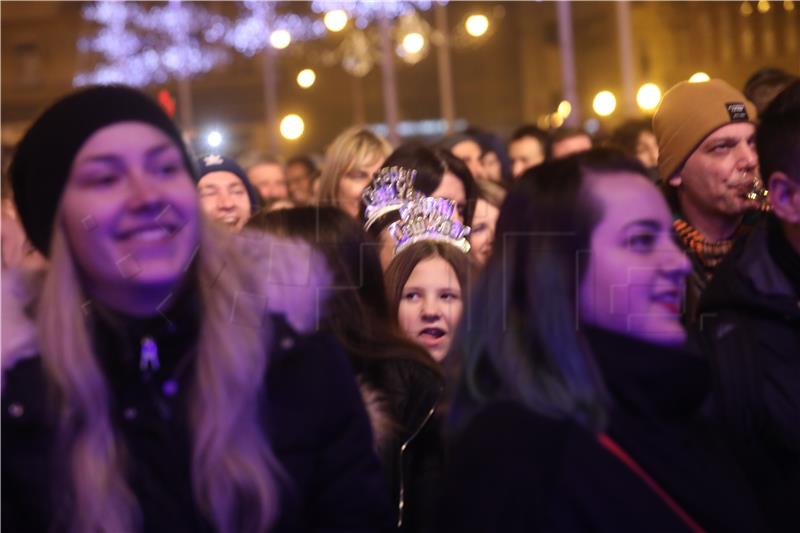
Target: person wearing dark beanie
point(226, 194)
point(42, 161)
point(149, 407)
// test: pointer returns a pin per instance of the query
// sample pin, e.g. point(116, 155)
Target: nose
point(224, 201)
point(748, 158)
point(145, 193)
point(676, 263)
point(430, 311)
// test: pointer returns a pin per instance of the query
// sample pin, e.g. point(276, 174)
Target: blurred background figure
point(484, 220)
point(568, 141)
point(467, 149)
point(350, 162)
point(494, 158)
point(635, 138)
point(226, 194)
point(301, 172)
point(527, 148)
point(268, 176)
point(765, 84)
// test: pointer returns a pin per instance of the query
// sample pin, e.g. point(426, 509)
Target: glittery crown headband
point(429, 219)
point(390, 190)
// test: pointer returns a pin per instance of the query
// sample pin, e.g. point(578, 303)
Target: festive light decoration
point(364, 12)
point(142, 45)
point(699, 77)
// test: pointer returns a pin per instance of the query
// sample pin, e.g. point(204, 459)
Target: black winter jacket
point(312, 413)
point(751, 326)
point(516, 471)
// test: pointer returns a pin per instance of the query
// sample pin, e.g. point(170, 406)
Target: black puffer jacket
point(413, 453)
point(312, 413)
point(751, 325)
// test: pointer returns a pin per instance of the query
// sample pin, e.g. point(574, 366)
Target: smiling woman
point(156, 333)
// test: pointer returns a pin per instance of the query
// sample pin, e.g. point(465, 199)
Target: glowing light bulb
point(699, 77)
point(648, 96)
point(214, 139)
point(306, 78)
point(292, 127)
point(413, 43)
point(476, 25)
point(604, 103)
point(335, 20)
point(564, 109)
point(280, 39)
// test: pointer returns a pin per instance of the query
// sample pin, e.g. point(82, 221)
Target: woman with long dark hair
point(172, 391)
point(400, 383)
point(578, 407)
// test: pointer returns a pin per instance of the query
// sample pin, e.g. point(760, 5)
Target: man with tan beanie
point(708, 167)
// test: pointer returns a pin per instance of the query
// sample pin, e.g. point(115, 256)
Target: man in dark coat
point(751, 320)
point(707, 163)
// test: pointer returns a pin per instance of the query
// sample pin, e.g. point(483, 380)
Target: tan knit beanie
point(688, 113)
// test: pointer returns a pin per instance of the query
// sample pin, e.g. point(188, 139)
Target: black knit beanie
point(44, 156)
point(215, 163)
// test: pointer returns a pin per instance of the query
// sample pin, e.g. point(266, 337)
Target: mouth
point(431, 337)
point(669, 300)
point(230, 220)
point(148, 234)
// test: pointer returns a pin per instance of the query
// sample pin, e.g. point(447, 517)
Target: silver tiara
point(429, 219)
point(390, 190)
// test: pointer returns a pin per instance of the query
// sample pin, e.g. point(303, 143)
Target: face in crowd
point(352, 184)
point(525, 153)
point(469, 152)
point(580, 142)
point(635, 277)
point(481, 238)
point(269, 180)
point(130, 211)
point(718, 176)
point(647, 149)
point(430, 305)
point(300, 182)
point(224, 198)
point(492, 168)
point(453, 189)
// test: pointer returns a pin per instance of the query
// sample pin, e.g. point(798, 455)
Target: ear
point(675, 181)
point(784, 196)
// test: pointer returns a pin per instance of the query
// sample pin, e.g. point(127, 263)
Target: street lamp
point(292, 127)
point(335, 20)
point(648, 96)
point(476, 25)
point(306, 78)
point(604, 103)
point(280, 39)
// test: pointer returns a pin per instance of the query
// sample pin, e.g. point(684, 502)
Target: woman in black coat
point(172, 392)
point(578, 408)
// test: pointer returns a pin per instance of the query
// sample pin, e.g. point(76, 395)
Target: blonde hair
point(233, 466)
point(354, 147)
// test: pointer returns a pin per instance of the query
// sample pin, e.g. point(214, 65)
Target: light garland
point(364, 12)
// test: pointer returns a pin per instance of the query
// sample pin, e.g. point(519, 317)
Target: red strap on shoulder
point(611, 445)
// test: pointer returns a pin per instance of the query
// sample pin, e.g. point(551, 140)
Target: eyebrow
point(649, 223)
point(111, 159)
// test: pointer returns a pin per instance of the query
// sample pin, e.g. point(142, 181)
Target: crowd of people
point(553, 333)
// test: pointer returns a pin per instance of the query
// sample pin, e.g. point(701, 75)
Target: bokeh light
point(335, 20)
point(306, 78)
point(648, 96)
point(280, 39)
point(292, 127)
point(476, 25)
point(604, 103)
